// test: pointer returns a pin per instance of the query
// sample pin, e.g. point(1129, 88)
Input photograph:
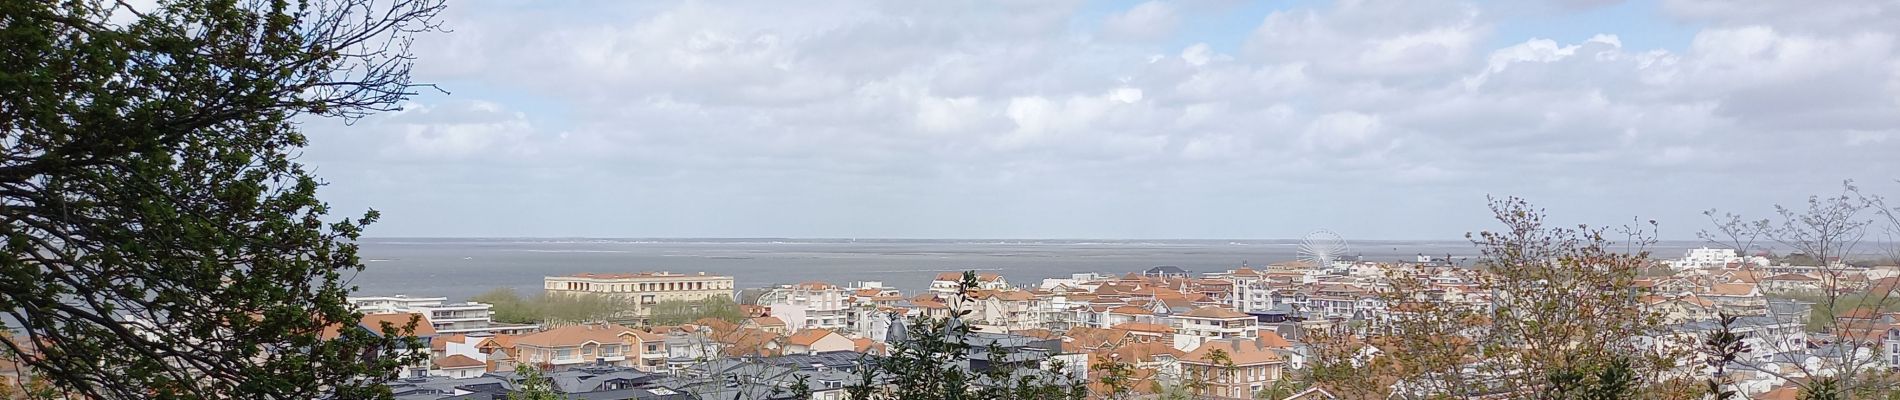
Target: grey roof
point(1164, 269)
point(847, 360)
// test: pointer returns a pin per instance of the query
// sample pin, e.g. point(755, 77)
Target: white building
point(809, 305)
point(1209, 323)
point(393, 304)
point(456, 318)
point(947, 283)
point(1709, 258)
point(1252, 291)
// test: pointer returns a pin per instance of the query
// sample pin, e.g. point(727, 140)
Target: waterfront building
point(946, 283)
point(643, 289)
point(445, 318)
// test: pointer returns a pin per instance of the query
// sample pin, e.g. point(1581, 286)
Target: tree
point(160, 241)
point(1117, 377)
point(675, 312)
point(1553, 317)
point(1828, 231)
point(547, 308)
point(531, 385)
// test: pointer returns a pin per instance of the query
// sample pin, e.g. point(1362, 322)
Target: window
point(609, 351)
point(564, 354)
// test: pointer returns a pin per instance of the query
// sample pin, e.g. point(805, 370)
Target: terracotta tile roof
point(1792, 277)
point(1215, 312)
point(591, 275)
point(1140, 352)
point(867, 292)
point(1789, 392)
point(441, 343)
point(717, 325)
point(1272, 339)
point(1860, 313)
point(1732, 289)
point(1862, 332)
point(988, 277)
point(950, 276)
point(458, 361)
point(867, 346)
point(1143, 327)
point(1129, 310)
point(505, 341)
point(808, 336)
point(1008, 295)
point(767, 321)
point(1084, 338)
point(375, 323)
point(814, 285)
point(575, 335)
point(1241, 351)
point(748, 342)
point(645, 336)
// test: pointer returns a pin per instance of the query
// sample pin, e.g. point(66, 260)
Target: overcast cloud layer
point(1161, 119)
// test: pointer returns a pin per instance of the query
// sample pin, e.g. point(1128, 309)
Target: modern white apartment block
point(809, 305)
point(1212, 323)
point(446, 318)
point(642, 289)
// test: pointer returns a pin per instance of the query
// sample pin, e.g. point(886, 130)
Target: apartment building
point(642, 289)
point(445, 318)
point(809, 305)
point(1211, 323)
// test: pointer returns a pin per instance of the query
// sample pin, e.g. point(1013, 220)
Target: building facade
point(809, 305)
point(642, 289)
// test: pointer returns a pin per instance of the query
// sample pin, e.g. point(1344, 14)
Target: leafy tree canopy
point(160, 241)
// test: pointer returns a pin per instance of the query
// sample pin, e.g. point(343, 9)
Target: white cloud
point(958, 110)
point(1146, 21)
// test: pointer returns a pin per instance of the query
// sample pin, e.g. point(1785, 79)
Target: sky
point(1118, 119)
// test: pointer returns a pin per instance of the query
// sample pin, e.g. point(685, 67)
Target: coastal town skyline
point(950, 200)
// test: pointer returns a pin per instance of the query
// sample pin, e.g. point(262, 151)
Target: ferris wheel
point(1321, 248)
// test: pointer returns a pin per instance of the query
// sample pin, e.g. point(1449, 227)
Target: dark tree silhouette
point(161, 241)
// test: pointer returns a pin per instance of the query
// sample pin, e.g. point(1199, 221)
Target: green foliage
point(531, 385)
point(1117, 378)
point(1281, 389)
point(1822, 316)
point(1610, 380)
point(675, 312)
point(160, 239)
point(1824, 388)
point(511, 307)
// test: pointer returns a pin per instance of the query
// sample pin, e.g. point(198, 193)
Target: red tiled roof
point(1143, 327)
point(575, 335)
point(1239, 350)
point(808, 336)
point(1215, 312)
point(458, 361)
